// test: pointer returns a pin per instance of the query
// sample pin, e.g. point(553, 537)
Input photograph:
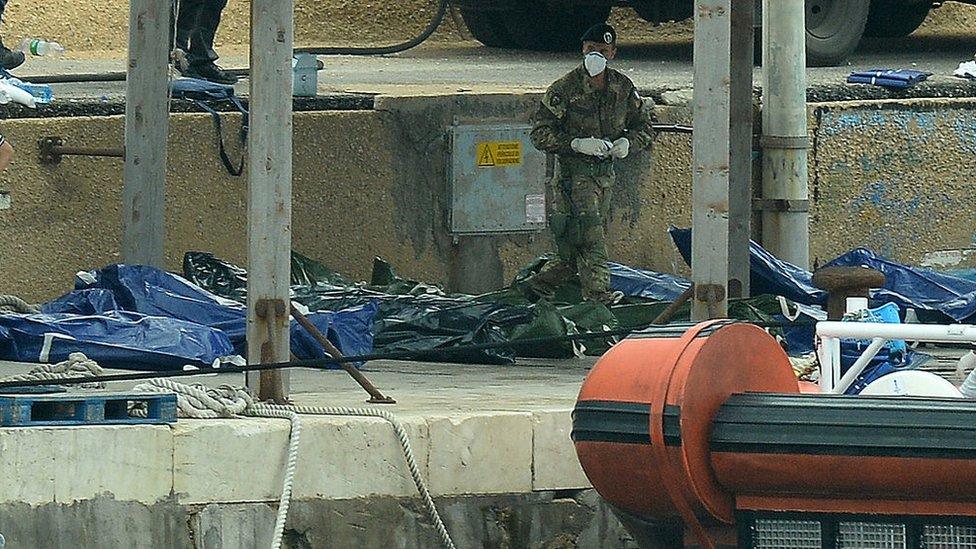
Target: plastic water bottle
point(40, 48)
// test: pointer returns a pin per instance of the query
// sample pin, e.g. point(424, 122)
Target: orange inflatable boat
point(702, 433)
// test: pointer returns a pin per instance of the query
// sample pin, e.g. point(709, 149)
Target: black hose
point(384, 50)
point(314, 50)
point(321, 363)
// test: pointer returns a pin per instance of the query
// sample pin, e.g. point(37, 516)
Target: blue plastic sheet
point(94, 301)
point(114, 339)
point(635, 282)
point(150, 291)
point(905, 286)
point(768, 275)
point(139, 317)
point(888, 78)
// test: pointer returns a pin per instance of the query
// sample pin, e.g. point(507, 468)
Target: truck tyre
point(534, 25)
point(487, 27)
point(896, 18)
point(834, 28)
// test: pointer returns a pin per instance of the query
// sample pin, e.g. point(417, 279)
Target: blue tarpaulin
point(139, 317)
point(635, 282)
point(154, 292)
point(114, 339)
point(905, 286)
point(769, 275)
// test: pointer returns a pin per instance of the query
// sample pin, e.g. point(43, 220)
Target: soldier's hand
point(592, 146)
point(621, 148)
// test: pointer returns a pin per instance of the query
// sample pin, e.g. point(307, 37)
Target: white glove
point(592, 146)
point(621, 148)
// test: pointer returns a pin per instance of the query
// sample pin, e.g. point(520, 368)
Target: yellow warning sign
point(495, 154)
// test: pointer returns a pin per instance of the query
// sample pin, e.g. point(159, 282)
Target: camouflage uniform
point(574, 108)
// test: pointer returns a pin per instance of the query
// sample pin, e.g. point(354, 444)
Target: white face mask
point(595, 63)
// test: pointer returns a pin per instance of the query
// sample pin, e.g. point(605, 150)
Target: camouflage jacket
point(573, 108)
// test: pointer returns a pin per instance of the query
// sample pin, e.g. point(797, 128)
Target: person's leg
point(209, 22)
point(201, 56)
point(592, 198)
point(562, 224)
point(9, 59)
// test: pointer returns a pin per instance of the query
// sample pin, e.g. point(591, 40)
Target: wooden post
point(269, 193)
point(146, 127)
point(741, 117)
point(710, 165)
point(722, 169)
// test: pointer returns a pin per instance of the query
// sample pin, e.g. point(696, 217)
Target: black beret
point(602, 34)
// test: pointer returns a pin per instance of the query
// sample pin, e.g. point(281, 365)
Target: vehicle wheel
point(896, 18)
point(487, 27)
point(834, 28)
point(534, 25)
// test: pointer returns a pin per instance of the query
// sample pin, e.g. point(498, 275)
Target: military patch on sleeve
point(555, 100)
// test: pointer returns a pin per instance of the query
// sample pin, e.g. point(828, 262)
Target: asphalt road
point(470, 67)
point(650, 65)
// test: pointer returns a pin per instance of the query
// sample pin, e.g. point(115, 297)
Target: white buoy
point(912, 383)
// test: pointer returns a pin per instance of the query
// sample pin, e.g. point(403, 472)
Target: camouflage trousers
point(581, 203)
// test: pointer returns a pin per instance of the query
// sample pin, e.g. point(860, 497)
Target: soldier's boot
point(10, 59)
point(607, 298)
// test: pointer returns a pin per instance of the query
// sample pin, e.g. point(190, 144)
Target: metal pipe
point(932, 333)
point(859, 365)
point(785, 233)
point(376, 396)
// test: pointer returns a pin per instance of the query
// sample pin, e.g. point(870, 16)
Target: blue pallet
point(95, 408)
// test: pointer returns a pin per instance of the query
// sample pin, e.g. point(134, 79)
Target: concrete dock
point(493, 445)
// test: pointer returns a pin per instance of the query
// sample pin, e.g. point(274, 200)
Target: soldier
point(588, 118)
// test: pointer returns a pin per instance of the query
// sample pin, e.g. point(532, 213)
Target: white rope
point(14, 304)
point(198, 401)
point(77, 365)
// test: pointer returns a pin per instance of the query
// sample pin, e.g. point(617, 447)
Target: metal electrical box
point(497, 180)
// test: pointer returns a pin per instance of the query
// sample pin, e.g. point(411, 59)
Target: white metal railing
point(829, 335)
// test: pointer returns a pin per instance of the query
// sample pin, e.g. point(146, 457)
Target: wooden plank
point(146, 127)
point(710, 165)
point(269, 192)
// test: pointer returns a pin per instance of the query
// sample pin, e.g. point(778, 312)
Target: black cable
point(321, 363)
point(118, 76)
point(385, 50)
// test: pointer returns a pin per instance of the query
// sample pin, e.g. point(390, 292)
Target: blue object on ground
point(888, 78)
point(114, 339)
point(142, 318)
point(93, 301)
point(635, 282)
point(905, 286)
point(768, 275)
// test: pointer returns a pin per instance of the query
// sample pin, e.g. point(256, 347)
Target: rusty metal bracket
point(263, 307)
point(52, 148)
point(709, 293)
point(780, 205)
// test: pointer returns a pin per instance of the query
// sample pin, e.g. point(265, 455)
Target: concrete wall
point(890, 175)
point(501, 479)
point(367, 183)
point(894, 176)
